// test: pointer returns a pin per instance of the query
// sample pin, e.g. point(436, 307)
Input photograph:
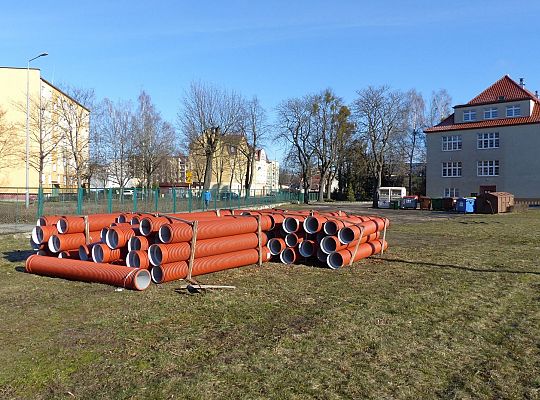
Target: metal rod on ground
point(357, 245)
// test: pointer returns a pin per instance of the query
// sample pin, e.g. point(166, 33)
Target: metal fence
point(73, 201)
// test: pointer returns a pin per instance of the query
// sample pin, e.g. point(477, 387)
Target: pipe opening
point(83, 253)
point(274, 246)
point(290, 225)
point(330, 228)
point(133, 260)
point(334, 260)
point(346, 235)
point(287, 256)
point(321, 255)
point(157, 274)
point(142, 279)
point(135, 221)
point(42, 253)
point(155, 255)
point(63, 254)
point(97, 254)
point(121, 218)
point(37, 234)
point(62, 225)
point(291, 240)
point(306, 248)
point(54, 244)
point(145, 226)
point(112, 239)
point(328, 244)
point(165, 234)
point(311, 224)
point(41, 221)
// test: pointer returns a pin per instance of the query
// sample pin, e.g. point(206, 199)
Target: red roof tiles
point(503, 87)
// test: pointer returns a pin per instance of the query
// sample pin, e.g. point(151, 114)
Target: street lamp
point(27, 198)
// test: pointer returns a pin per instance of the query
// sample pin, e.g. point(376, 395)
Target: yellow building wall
point(13, 102)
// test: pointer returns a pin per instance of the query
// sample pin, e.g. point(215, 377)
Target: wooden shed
point(494, 202)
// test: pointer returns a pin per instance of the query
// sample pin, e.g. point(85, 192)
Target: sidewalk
point(15, 228)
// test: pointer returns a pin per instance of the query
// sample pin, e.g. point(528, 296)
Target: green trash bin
point(437, 204)
point(394, 204)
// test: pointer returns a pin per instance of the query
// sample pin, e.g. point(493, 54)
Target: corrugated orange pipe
point(41, 234)
point(139, 243)
point(351, 233)
point(340, 258)
point(150, 224)
point(332, 226)
point(101, 253)
point(118, 236)
point(47, 220)
point(70, 241)
point(228, 226)
point(329, 244)
point(168, 253)
point(207, 265)
point(86, 271)
point(276, 245)
point(76, 224)
point(138, 259)
point(72, 254)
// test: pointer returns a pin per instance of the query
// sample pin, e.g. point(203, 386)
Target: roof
point(65, 94)
point(511, 91)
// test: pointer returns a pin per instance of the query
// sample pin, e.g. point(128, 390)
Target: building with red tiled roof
point(490, 143)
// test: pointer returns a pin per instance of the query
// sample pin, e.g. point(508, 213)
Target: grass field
point(452, 310)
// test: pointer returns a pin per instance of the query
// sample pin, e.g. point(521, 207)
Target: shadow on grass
point(471, 269)
point(17, 255)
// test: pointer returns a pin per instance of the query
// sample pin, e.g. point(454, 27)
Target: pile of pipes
point(132, 249)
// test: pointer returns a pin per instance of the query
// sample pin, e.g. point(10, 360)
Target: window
point(488, 140)
point(451, 169)
point(490, 113)
point(513, 111)
point(488, 168)
point(451, 192)
point(469, 115)
point(450, 143)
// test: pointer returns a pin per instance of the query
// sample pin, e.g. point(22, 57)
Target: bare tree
point(380, 114)
point(413, 139)
point(73, 113)
point(7, 140)
point(209, 114)
point(154, 138)
point(295, 129)
point(117, 141)
point(440, 106)
point(255, 129)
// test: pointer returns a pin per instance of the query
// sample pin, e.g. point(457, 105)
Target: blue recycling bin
point(466, 205)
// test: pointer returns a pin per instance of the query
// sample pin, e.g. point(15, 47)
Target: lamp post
point(27, 197)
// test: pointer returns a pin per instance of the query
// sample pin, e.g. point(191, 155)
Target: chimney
point(536, 93)
point(522, 82)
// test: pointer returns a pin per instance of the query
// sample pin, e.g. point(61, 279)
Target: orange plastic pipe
point(168, 253)
point(86, 271)
point(207, 265)
point(329, 244)
point(340, 258)
point(138, 243)
point(70, 241)
point(138, 259)
point(351, 233)
point(150, 224)
point(209, 229)
point(73, 254)
point(76, 224)
point(276, 246)
point(101, 253)
point(118, 236)
point(41, 234)
point(288, 256)
point(332, 226)
point(47, 220)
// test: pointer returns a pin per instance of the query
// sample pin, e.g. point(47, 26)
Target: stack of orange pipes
point(131, 249)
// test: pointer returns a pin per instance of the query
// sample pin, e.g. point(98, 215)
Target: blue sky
point(274, 49)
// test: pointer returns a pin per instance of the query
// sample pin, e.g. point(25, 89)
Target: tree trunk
point(208, 171)
point(329, 187)
point(321, 187)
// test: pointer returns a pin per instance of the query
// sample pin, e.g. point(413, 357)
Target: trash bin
point(425, 203)
point(409, 202)
point(437, 204)
point(466, 204)
point(448, 204)
point(394, 204)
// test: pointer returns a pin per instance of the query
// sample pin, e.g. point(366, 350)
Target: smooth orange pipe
point(70, 241)
point(207, 265)
point(172, 252)
point(86, 271)
point(340, 258)
point(276, 245)
point(288, 256)
point(228, 226)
